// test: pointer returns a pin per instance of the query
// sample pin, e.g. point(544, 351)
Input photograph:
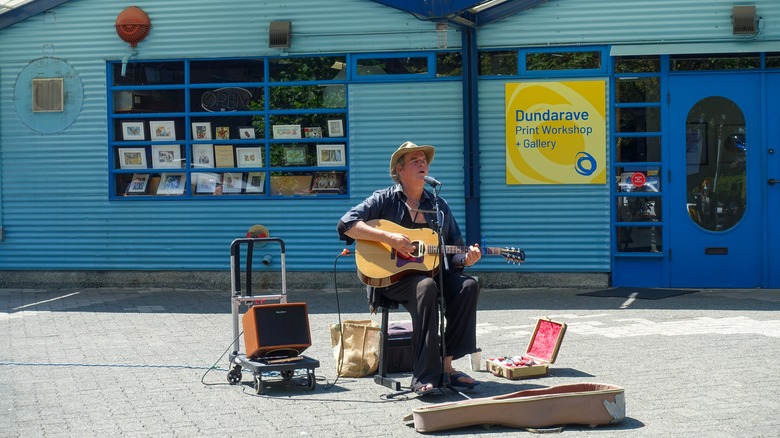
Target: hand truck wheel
point(311, 380)
point(234, 375)
point(258, 383)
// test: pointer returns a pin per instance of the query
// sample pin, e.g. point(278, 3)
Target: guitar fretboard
point(453, 249)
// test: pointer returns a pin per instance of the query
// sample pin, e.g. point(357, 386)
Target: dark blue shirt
point(390, 204)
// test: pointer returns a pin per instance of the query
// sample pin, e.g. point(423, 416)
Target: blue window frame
point(228, 128)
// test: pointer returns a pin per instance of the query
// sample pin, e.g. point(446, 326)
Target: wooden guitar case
point(579, 403)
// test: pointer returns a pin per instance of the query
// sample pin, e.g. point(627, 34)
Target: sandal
point(456, 382)
point(420, 389)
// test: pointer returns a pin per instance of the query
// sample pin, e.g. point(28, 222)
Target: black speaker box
point(273, 330)
point(400, 354)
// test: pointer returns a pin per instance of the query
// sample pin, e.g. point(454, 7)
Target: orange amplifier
point(276, 330)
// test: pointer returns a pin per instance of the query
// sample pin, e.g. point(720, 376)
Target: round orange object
point(132, 25)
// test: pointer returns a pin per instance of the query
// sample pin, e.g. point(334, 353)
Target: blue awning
point(463, 12)
point(12, 12)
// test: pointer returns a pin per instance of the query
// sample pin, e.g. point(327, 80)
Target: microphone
point(432, 181)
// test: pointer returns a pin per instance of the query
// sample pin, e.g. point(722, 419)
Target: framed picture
point(138, 184)
point(162, 131)
point(202, 155)
point(327, 182)
point(335, 128)
point(287, 131)
point(313, 132)
point(255, 182)
point(201, 130)
point(171, 184)
point(330, 155)
point(295, 155)
point(246, 132)
point(166, 156)
point(207, 182)
point(223, 132)
point(249, 157)
point(232, 182)
point(133, 131)
point(132, 158)
point(223, 156)
point(291, 185)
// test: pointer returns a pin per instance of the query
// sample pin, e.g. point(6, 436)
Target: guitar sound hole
point(419, 249)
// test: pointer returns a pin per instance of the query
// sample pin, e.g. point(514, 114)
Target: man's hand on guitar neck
point(472, 255)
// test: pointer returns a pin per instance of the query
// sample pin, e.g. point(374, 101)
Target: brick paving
point(138, 362)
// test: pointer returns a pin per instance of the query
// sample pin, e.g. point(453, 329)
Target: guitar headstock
point(513, 255)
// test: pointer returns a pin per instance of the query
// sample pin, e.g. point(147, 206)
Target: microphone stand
point(443, 266)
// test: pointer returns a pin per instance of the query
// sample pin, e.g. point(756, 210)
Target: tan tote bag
point(355, 347)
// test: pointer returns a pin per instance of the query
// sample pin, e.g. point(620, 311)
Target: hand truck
point(286, 367)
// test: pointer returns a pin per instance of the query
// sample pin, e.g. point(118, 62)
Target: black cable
point(220, 358)
point(344, 252)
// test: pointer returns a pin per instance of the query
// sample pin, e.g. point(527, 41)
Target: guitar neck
point(454, 249)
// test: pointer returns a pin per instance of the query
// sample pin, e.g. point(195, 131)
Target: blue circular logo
point(585, 164)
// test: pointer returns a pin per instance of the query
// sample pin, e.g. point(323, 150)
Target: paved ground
point(132, 362)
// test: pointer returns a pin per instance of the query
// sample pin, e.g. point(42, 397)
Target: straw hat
point(410, 147)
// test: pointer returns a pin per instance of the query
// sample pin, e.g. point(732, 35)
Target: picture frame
point(166, 156)
point(327, 182)
point(249, 156)
point(330, 155)
point(295, 155)
point(201, 130)
point(206, 183)
point(138, 184)
point(312, 132)
point(255, 182)
point(162, 130)
point(224, 155)
point(132, 158)
point(202, 155)
point(335, 128)
point(222, 133)
point(246, 132)
point(171, 184)
point(133, 131)
point(291, 185)
point(232, 182)
point(287, 131)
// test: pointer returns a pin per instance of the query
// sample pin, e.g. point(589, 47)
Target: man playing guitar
point(409, 205)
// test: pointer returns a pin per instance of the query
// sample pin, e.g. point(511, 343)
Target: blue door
point(771, 155)
point(716, 188)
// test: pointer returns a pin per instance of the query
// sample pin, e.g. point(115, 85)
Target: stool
point(389, 342)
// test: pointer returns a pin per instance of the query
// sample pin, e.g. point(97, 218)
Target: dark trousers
point(419, 294)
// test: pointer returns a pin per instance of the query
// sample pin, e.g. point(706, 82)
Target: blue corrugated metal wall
point(615, 22)
point(384, 116)
point(55, 211)
point(560, 227)
point(56, 215)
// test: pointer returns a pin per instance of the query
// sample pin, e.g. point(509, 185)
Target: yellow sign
point(556, 132)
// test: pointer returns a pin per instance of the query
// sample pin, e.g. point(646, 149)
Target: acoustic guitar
point(379, 265)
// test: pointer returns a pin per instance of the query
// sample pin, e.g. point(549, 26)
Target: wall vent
point(744, 21)
point(279, 34)
point(48, 95)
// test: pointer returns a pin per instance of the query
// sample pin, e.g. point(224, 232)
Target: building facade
point(148, 160)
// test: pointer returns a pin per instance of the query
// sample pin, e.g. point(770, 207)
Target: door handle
point(772, 181)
